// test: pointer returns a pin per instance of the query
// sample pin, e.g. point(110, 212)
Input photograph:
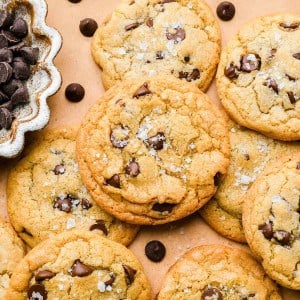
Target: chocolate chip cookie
point(271, 220)
point(152, 151)
point(45, 194)
point(12, 251)
point(258, 77)
point(250, 153)
point(79, 265)
point(216, 272)
point(180, 38)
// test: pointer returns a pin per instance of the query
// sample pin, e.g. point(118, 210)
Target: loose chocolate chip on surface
point(43, 275)
point(21, 70)
point(6, 55)
point(250, 62)
point(217, 178)
point(21, 95)
point(163, 207)
point(296, 55)
point(211, 293)
point(149, 22)
point(156, 141)
point(272, 84)
point(114, 181)
point(267, 230)
point(79, 269)
point(130, 273)
point(143, 90)
point(74, 92)
point(30, 54)
point(225, 10)
point(132, 26)
point(99, 225)
point(231, 71)
point(155, 250)
point(292, 98)
point(282, 236)
point(178, 36)
point(19, 28)
point(119, 137)
point(59, 169)
point(75, 1)
point(290, 26)
point(6, 19)
point(5, 118)
point(86, 204)
point(133, 168)
point(37, 291)
point(5, 72)
point(88, 27)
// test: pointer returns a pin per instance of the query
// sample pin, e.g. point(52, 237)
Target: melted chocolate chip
point(86, 204)
point(217, 178)
point(133, 168)
point(296, 55)
point(163, 207)
point(155, 250)
point(79, 269)
point(59, 169)
point(178, 36)
point(290, 26)
point(225, 11)
point(292, 98)
point(111, 280)
point(43, 275)
point(272, 84)
point(142, 91)
point(74, 92)
point(19, 28)
point(6, 55)
point(149, 22)
point(114, 181)
point(88, 27)
point(290, 77)
point(130, 274)
point(194, 75)
point(160, 55)
point(267, 230)
point(156, 142)
point(99, 225)
point(5, 72)
point(211, 293)
point(37, 292)
point(250, 62)
point(132, 26)
point(116, 140)
point(283, 237)
point(5, 118)
point(231, 71)
point(65, 204)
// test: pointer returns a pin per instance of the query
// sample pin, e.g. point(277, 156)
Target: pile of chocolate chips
point(16, 59)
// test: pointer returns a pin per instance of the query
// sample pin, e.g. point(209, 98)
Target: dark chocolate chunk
point(86, 204)
point(155, 250)
point(21, 70)
point(160, 55)
point(19, 28)
point(79, 269)
point(292, 98)
point(290, 26)
point(5, 72)
point(225, 10)
point(283, 237)
point(163, 207)
point(156, 141)
point(250, 62)
point(149, 22)
point(21, 95)
point(211, 293)
point(43, 275)
point(296, 55)
point(99, 225)
point(59, 169)
point(132, 26)
point(130, 273)
point(267, 230)
point(74, 92)
point(133, 168)
point(178, 36)
point(119, 137)
point(6, 55)
point(231, 71)
point(6, 19)
point(88, 27)
point(142, 91)
point(217, 178)
point(11, 39)
point(37, 292)
point(5, 118)
point(114, 181)
point(30, 54)
point(272, 84)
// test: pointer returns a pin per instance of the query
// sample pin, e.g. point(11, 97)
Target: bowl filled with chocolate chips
point(27, 73)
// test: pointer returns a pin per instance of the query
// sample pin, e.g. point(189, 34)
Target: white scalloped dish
point(44, 81)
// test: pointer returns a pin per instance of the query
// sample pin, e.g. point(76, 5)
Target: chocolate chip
point(290, 26)
point(194, 75)
point(11, 39)
point(3, 41)
point(6, 55)
point(273, 52)
point(65, 204)
point(59, 169)
point(217, 178)
point(6, 19)
point(178, 36)
point(86, 204)
point(37, 292)
point(79, 269)
point(267, 230)
point(5, 118)
point(149, 22)
point(211, 293)
point(5, 72)
point(156, 142)
point(43, 275)
point(88, 27)
point(19, 28)
point(296, 55)
point(155, 250)
point(114, 181)
point(119, 137)
point(163, 207)
point(290, 77)
point(21, 69)
point(283, 237)
point(133, 168)
point(292, 98)
point(231, 71)
point(21, 95)
point(225, 11)
point(186, 59)
point(247, 156)
point(3, 98)
point(74, 92)
point(17, 47)
point(111, 280)
point(10, 87)
point(99, 225)
point(250, 62)
point(160, 55)
point(142, 91)
point(74, 1)
point(132, 26)
point(271, 83)
point(166, 1)
point(30, 54)
point(130, 274)
point(8, 105)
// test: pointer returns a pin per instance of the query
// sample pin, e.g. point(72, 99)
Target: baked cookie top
point(45, 194)
point(12, 251)
point(250, 154)
point(216, 272)
point(258, 78)
point(152, 151)
point(271, 220)
point(79, 265)
point(153, 37)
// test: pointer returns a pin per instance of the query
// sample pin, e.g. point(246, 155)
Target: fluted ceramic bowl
point(44, 81)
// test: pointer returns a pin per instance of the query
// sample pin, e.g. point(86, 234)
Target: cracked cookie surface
point(250, 154)
point(216, 272)
point(271, 220)
point(79, 265)
point(12, 251)
point(151, 151)
point(258, 78)
point(151, 37)
point(45, 194)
